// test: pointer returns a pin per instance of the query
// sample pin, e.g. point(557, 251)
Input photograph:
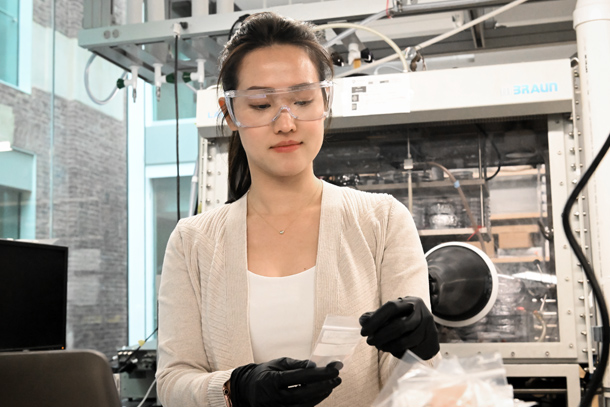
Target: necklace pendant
point(281, 232)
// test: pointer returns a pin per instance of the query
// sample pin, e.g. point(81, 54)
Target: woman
point(246, 287)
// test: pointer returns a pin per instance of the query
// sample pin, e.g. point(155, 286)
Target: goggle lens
point(256, 108)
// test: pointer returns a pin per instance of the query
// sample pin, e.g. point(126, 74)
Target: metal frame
point(570, 290)
point(219, 24)
point(570, 372)
point(575, 162)
point(129, 44)
point(122, 44)
point(213, 173)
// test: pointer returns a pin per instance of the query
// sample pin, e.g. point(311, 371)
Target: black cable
point(177, 129)
point(495, 148)
point(132, 354)
point(548, 235)
point(598, 375)
point(499, 160)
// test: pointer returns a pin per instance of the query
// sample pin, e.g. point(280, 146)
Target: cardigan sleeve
point(184, 375)
point(403, 270)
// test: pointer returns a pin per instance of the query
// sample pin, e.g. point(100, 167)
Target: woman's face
point(287, 146)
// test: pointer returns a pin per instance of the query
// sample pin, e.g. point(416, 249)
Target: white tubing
point(345, 33)
point(469, 24)
point(191, 87)
point(448, 60)
point(438, 38)
point(93, 98)
point(387, 39)
point(147, 392)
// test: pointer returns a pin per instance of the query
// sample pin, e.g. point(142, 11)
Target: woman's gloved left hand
point(400, 325)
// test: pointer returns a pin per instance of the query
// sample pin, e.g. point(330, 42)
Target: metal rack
point(202, 37)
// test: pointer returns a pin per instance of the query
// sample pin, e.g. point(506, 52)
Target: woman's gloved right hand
point(283, 382)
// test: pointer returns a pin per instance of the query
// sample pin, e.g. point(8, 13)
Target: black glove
point(283, 382)
point(401, 325)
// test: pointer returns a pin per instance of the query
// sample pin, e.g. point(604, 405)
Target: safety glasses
point(261, 107)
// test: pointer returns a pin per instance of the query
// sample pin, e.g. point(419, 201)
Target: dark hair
point(262, 30)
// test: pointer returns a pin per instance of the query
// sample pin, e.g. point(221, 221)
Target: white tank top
point(281, 315)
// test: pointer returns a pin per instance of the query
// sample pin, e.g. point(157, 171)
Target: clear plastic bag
point(477, 381)
point(337, 340)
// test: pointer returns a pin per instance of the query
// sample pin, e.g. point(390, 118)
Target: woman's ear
point(225, 112)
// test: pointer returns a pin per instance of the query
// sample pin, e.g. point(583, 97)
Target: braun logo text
point(529, 89)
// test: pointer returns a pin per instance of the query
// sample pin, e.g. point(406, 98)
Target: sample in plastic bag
point(477, 381)
point(337, 340)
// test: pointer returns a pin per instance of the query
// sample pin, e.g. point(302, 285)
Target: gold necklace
point(281, 232)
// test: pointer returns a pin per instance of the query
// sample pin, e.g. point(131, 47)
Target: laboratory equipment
point(136, 367)
point(463, 283)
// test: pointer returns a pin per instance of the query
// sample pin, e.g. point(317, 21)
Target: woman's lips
point(286, 146)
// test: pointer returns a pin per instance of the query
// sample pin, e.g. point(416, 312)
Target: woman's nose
point(284, 121)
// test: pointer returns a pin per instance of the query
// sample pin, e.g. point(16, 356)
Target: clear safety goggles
point(261, 107)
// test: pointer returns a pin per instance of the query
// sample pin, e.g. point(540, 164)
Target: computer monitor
point(33, 296)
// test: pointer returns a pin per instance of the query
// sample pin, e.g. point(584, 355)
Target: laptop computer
point(62, 378)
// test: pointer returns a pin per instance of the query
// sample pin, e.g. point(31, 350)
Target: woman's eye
point(303, 102)
point(260, 107)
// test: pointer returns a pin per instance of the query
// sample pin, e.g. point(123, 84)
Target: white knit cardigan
point(368, 253)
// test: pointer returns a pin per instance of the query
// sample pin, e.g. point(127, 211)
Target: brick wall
point(90, 216)
point(69, 14)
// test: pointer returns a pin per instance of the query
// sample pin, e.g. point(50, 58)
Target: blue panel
point(17, 195)
point(9, 43)
point(165, 108)
point(160, 143)
point(10, 208)
point(17, 170)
